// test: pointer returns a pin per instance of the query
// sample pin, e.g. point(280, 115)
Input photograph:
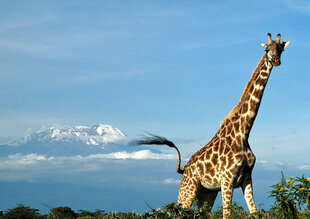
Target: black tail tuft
point(153, 139)
point(158, 140)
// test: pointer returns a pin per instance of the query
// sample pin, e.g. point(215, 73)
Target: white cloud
point(91, 169)
point(280, 165)
point(171, 181)
point(143, 166)
point(136, 155)
point(94, 162)
point(304, 167)
point(20, 161)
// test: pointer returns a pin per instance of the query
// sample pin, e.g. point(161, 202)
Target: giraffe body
point(227, 161)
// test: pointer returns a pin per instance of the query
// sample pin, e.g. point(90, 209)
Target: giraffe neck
point(244, 113)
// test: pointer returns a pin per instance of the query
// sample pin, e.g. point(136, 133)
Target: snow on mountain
point(73, 141)
point(95, 135)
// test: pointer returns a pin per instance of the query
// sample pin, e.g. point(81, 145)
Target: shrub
point(236, 212)
point(91, 215)
point(292, 196)
point(62, 213)
point(173, 210)
point(22, 212)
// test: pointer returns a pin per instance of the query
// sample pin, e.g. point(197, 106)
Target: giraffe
point(227, 161)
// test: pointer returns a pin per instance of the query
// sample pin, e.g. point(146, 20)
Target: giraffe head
point(274, 49)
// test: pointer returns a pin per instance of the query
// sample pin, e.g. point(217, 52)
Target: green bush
point(22, 212)
point(98, 214)
point(62, 213)
point(292, 197)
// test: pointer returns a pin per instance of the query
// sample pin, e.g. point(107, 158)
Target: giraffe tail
point(158, 140)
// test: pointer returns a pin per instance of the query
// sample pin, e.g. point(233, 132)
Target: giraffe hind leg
point(188, 191)
point(248, 195)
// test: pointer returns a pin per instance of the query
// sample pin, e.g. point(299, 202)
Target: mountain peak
point(102, 129)
point(95, 135)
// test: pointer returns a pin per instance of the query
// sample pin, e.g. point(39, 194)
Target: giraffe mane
point(246, 90)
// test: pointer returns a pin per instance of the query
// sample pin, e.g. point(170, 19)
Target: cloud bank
point(23, 161)
point(149, 166)
point(35, 167)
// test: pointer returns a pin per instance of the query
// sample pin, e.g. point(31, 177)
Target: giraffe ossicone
point(227, 161)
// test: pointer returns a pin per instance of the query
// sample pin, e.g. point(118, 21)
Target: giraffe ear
point(285, 44)
point(263, 45)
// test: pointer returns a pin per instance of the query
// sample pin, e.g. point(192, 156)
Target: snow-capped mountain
point(98, 135)
point(72, 141)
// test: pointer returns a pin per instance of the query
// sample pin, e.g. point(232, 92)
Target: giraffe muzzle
point(276, 62)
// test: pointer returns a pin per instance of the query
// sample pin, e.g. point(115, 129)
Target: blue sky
point(175, 69)
point(171, 68)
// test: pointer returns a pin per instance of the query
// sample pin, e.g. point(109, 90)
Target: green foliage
point(292, 196)
point(236, 212)
point(91, 215)
point(129, 215)
point(173, 210)
point(22, 212)
point(62, 213)
point(291, 201)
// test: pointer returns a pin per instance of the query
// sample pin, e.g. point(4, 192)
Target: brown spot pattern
point(214, 159)
point(244, 108)
point(257, 93)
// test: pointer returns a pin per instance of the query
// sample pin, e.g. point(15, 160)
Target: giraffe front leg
point(227, 193)
point(248, 195)
point(188, 191)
